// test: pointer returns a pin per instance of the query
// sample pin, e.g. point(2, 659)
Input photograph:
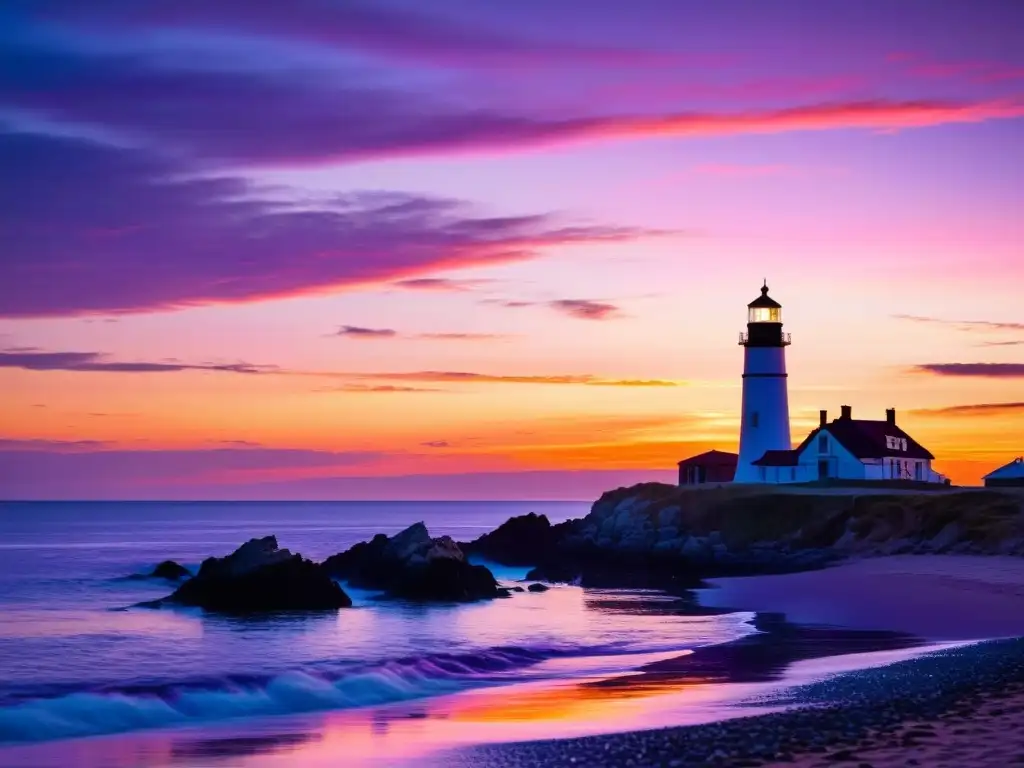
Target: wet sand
point(937, 597)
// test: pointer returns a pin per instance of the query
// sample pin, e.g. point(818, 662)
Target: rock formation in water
point(170, 571)
point(414, 566)
point(523, 540)
point(260, 577)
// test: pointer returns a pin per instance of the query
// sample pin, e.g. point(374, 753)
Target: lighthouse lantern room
point(764, 423)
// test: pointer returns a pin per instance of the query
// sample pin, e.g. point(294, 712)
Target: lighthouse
point(764, 424)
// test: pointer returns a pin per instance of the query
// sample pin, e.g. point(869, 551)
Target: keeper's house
point(851, 449)
point(1010, 476)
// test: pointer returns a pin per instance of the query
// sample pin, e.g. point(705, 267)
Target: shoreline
point(926, 704)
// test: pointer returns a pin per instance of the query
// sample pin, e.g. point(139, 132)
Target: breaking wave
point(41, 714)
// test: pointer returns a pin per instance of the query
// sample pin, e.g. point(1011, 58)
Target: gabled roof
point(713, 457)
point(1012, 470)
point(778, 459)
point(867, 439)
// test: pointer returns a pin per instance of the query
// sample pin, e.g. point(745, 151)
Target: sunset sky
point(464, 249)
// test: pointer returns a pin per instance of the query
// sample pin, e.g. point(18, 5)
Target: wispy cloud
point(53, 446)
point(380, 334)
point(462, 336)
point(359, 332)
point(436, 444)
point(973, 409)
point(97, 362)
point(378, 388)
point(586, 309)
point(985, 370)
point(583, 309)
point(965, 325)
point(439, 284)
point(484, 378)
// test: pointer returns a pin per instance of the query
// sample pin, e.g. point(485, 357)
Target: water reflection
point(575, 696)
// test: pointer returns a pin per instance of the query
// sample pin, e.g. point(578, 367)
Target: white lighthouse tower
point(765, 421)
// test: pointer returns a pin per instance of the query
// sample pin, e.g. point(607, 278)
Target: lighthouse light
point(764, 315)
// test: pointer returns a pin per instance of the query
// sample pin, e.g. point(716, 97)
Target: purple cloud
point(53, 446)
point(27, 471)
point(585, 309)
point(415, 36)
point(461, 336)
point(222, 115)
point(96, 362)
point(358, 332)
point(440, 284)
point(988, 370)
point(155, 239)
point(436, 444)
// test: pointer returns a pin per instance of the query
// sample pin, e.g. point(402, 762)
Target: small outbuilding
point(709, 467)
point(1009, 476)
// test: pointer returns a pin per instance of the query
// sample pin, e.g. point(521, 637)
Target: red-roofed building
point(851, 449)
point(709, 467)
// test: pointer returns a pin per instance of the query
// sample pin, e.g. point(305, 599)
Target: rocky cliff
point(656, 532)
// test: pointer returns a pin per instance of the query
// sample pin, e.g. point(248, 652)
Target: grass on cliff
point(807, 517)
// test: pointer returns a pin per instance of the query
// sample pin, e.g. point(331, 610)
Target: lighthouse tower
point(765, 420)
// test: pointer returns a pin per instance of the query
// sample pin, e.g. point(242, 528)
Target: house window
point(822, 443)
point(755, 417)
point(918, 470)
point(762, 473)
point(792, 474)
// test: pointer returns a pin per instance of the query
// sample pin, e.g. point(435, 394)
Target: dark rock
point(171, 571)
point(503, 592)
point(538, 587)
point(524, 540)
point(260, 577)
point(414, 566)
point(350, 564)
point(168, 570)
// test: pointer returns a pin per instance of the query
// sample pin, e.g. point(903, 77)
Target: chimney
point(890, 417)
point(822, 418)
point(846, 412)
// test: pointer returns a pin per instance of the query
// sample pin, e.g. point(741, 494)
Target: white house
point(1010, 475)
point(851, 449)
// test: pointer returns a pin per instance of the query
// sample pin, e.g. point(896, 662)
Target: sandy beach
point(957, 707)
point(936, 597)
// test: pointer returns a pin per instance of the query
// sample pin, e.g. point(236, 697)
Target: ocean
point(83, 673)
point(75, 663)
